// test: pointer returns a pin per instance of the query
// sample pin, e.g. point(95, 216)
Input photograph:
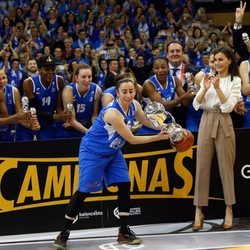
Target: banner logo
point(28, 183)
point(245, 171)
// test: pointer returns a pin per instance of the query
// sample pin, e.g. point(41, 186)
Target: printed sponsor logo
point(41, 182)
point(132, 211)
point(245, 171)
point(87, 215)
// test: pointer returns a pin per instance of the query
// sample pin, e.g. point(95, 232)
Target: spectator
point(82, 40)
point(5, 29)
point(14, 73)
point(68, 51)
point(100, 40)
point(121, 64)
point(101, 75)
point(128, 39)
point(178, 68)
point(112, 71)
point(53, 21)
point(70, 73)
point(31, 70)
point(58, 56)
point(57, 41)
point(140, 69)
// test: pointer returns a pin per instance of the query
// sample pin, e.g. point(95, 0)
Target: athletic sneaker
point(128, 237)
point(61, 240)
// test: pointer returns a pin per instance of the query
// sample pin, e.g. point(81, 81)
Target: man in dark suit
point(112, 71)
point(177, 67)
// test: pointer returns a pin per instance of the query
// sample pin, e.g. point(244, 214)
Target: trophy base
point(185, 143)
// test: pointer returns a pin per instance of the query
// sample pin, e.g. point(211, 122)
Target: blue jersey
point(5, 130)
point(84, 105)
point(84, 108)
point(46, 101)
point(167, 94)
point(246, 99)
point(100, 80)
point(46, 98)
point(14, 78)
point(102, 138)
point(110, 91)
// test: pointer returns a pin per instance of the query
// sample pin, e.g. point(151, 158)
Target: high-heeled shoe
point(200, 226)
point(227, 226)
point(228, 221)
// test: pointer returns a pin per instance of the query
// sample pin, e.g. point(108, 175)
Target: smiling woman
point(100, 157)
point(84, 96)
point(217, 97)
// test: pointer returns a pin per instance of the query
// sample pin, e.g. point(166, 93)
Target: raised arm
point(239, 45)
point(114, 118)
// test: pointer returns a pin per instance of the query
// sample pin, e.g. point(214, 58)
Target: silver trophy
point(157, 115)
point(32, 111)
point(189, 79)
point(245, 38)
point(69, 108)
point(33, 121)
point(25, 104)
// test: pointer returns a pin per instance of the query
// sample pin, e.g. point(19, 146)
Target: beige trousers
point(216, 133)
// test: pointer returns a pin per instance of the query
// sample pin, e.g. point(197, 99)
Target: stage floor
point(167, 236)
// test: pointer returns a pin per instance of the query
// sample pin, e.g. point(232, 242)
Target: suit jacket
point(239, 45)
point(109, 80)
point(180, 112)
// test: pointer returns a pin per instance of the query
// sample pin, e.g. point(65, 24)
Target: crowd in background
point(110, 36)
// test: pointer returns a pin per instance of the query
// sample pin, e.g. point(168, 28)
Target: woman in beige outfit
point(217, 97)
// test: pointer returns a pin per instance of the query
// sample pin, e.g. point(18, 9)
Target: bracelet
point(237, 26)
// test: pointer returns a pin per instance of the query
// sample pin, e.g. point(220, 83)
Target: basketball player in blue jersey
point(13, 105)
point(100, 158)
point(12, 119)
point(110, 93)
point(44, 92)
point(162, 87)
point(85, 97)
point(193, 116)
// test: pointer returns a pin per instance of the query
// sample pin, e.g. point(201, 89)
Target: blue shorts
point(95, 168)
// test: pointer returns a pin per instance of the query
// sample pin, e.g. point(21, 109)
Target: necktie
point(174, 70)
